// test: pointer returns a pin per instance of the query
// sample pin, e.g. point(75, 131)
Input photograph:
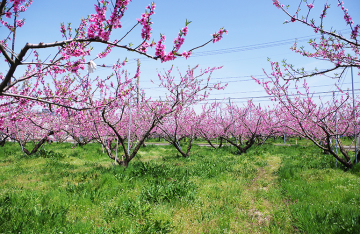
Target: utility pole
point(217, 138)
point(128, 150)
point(232, 117)
point(353, 96)
point(13, 42)
point(138, 84)
point(336, 139)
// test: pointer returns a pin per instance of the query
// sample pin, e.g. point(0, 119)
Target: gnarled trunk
point(250, 142)
point(2, 141)
point(38, 145)
point(179, 149)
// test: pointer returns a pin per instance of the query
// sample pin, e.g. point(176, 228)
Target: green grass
point(321, 199)
point(270, 189)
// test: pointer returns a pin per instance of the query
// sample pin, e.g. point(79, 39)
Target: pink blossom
point(186, 54)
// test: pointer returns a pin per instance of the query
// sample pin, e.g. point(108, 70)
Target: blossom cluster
point(146, 23)
point(17, 7)
point(347, 17)
point(277, 4)
point(118, 13)
point(96, 22)
point(219, 35)
point(75, 49)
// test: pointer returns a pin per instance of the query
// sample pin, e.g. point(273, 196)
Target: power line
point(257, 91)
point(260, 97)
point(254, 46)
point(266, 98)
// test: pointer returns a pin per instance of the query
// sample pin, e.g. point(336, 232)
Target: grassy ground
point(271, 189)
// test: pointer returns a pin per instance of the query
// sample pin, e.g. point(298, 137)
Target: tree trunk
point(185, 155)
point(2, 142)
point(213, 146)
point(221, 142)
point(38, 145)
point(210, 144)
point(242, 150)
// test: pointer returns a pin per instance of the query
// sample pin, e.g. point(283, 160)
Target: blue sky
point(255, 31)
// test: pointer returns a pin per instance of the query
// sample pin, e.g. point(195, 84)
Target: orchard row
point(129, 121)
point(58, 83)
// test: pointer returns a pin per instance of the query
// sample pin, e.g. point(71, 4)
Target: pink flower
point(163, 38)
point(185, 30)
point(186, 54)
point(276, 3)
point(20, 23)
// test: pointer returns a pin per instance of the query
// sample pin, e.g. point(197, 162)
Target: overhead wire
point(254, 46)
point(241, 49)
point(256, 91)
point(266, 98)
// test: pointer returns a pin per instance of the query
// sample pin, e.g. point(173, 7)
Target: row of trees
point(129, 121)
point(74, 109)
